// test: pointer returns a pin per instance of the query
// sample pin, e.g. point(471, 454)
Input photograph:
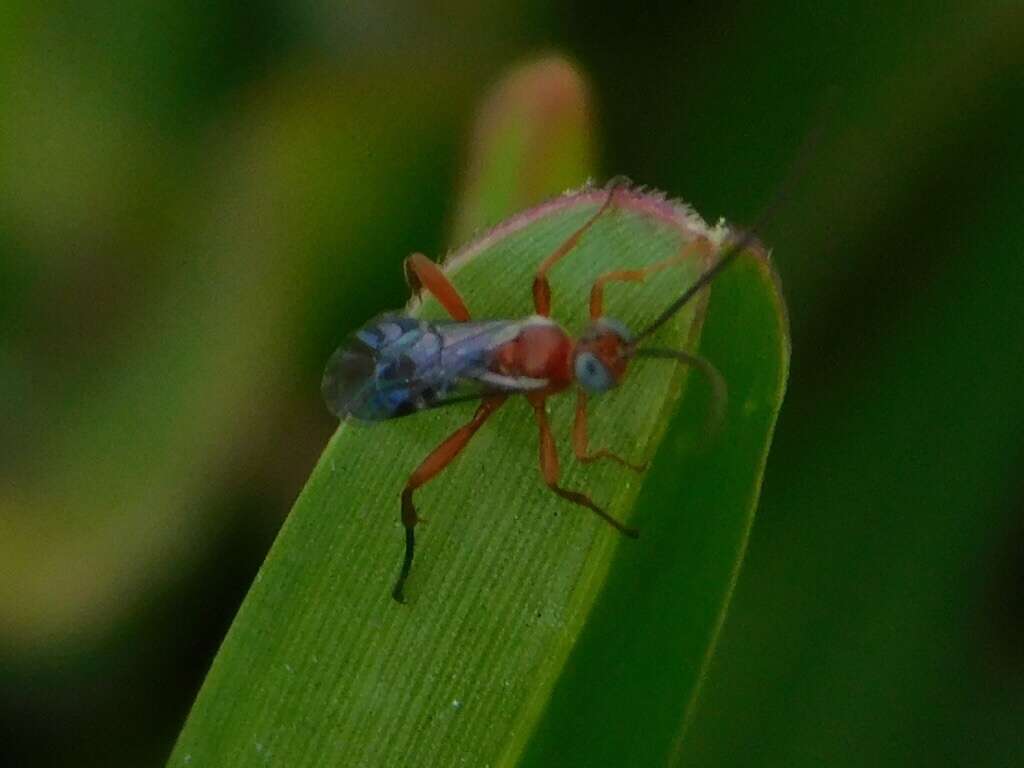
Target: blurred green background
point(198, 200)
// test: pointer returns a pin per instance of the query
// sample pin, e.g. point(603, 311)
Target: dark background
point(197, 201)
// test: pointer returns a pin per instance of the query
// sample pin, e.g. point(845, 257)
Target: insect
point(397, 365)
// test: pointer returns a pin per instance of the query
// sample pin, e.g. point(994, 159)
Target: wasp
point(397, 365)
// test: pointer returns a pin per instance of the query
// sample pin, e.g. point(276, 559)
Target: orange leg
point(541, 287)
point(701, 245)
point(549, 469)
point(421, 272)
point(580, 441)
point(438, 459)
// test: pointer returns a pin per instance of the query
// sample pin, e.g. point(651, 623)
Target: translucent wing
point(397, 365)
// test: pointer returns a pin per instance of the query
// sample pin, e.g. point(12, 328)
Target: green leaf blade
point(322, 667)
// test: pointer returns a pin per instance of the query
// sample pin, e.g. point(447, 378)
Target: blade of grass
point(321, 667)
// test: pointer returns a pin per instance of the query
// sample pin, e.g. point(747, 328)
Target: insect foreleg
point(580, 441)
point(700, 245)
point(549, 469)
point(438, 459)
point(421, 272)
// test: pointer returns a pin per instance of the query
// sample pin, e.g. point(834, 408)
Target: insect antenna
point(719, 390)
point(724, 261)
point(735, 247)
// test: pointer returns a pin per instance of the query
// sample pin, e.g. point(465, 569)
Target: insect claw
point(603, 454)
point(398, 592)
point(618, 182)
point(638, 468)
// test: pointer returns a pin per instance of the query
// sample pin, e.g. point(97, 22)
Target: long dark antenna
point(719, 389)
point(726, 258)
point(735, 247)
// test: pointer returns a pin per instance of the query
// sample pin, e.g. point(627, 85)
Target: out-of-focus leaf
point(113, 494)
point(878, 621)
point(532, 140)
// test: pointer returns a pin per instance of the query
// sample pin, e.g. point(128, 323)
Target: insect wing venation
point(397, 365)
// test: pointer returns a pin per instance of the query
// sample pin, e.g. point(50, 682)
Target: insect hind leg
point(431, 466)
